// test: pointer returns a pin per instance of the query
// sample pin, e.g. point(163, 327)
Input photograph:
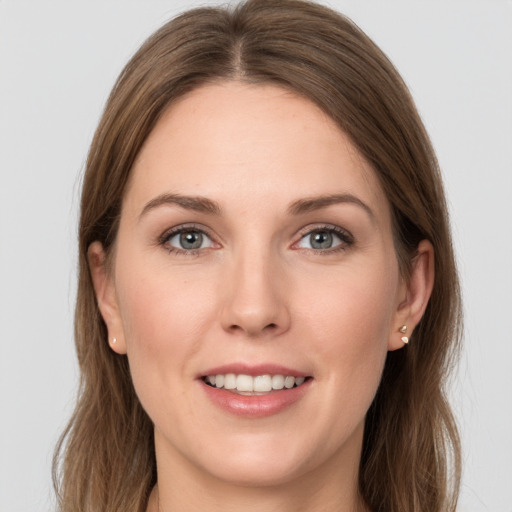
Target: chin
point(248, 471)
point(263, 459)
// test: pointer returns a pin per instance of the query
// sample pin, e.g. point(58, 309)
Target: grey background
point(58, 61)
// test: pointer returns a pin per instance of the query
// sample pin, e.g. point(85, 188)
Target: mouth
point(255, 391)
point(258, 385)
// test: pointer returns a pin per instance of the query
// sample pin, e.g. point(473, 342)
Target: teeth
point(244, 383)
point(277, 382)
point(229, 381)
point(289, 382)
point(258, 384)
point(263, 383)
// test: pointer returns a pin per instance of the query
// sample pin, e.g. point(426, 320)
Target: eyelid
point(164, 238)
point(343, 234)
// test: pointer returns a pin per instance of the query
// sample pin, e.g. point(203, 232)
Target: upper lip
point(254, 370)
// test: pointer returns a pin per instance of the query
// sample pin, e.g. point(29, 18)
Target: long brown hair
point(410, 461)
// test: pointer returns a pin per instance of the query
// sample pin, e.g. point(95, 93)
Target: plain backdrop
point(58, 61)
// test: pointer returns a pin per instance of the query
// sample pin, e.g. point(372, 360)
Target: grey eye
point(190, 240)
point(322, 239)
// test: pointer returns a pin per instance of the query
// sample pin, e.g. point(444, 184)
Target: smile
point(249, 385)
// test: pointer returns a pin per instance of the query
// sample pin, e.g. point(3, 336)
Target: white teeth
point(244, 383)
point(277, 382)
point(259, 384)
point(229, 381)
point(263, 383)
point(289, 382)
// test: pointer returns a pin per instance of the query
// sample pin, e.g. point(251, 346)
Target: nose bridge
point(254, 303)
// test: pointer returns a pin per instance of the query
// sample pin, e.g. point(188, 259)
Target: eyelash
point(168, 235)
point(346, 238)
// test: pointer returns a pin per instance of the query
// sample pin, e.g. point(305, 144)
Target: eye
point(187, 239)
point(325, 239)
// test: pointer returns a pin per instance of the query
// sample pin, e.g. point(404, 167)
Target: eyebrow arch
point(196, 203)
point(316, 203)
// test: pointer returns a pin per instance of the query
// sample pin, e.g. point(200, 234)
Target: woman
point(268, 304)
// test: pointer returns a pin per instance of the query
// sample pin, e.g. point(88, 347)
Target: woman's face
point(255, 245)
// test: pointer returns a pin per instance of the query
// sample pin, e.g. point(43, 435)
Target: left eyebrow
point(316, 203)
point(196, 203)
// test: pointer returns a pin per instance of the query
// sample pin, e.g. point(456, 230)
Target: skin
point(257, 291)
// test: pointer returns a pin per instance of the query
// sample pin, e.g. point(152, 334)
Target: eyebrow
point(196, 203)
point(316, 203)
point(299, 207)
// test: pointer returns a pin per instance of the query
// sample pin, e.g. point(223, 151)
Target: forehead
point(235, 141)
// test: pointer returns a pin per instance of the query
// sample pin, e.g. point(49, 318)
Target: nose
point(256, 303)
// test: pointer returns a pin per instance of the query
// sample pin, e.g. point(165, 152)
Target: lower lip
point(255, 406)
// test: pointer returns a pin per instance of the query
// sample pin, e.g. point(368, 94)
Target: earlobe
point(417, 294)
point(106, 296)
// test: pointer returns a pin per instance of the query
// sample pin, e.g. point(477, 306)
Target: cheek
point(349, 320)
point(161, 309)
point(164, 317)
point(354, 306)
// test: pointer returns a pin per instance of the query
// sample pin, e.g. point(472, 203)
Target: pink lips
point(254, 370)
point(254, 406)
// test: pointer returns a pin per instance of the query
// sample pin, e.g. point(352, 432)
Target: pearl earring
point(114, 341)
point(403, 330)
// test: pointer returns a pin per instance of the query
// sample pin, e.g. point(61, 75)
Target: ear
point(415, 294)
point(106, 297)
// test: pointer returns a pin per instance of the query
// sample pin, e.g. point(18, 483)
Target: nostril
point(269, 327)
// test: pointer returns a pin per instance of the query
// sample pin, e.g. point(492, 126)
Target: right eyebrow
point(317, 203)
point(196, 203)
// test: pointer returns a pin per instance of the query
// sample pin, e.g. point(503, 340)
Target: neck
point(257, 501)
